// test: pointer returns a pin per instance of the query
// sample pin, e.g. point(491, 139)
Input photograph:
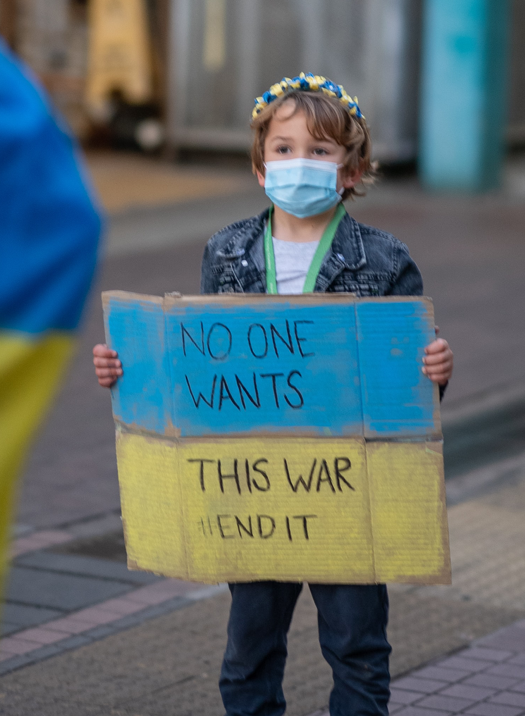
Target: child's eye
point(320, 152)
point(283, 149)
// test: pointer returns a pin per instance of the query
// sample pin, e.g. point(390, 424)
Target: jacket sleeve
point(207, 276)
point(408, 280)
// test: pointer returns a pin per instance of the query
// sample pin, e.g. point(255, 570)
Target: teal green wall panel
point(464, 93)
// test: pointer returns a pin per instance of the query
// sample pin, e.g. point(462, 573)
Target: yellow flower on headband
point(277, 90)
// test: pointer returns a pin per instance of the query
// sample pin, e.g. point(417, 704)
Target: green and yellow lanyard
point(315, 266)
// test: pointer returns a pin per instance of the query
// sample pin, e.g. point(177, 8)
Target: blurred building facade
point(209, 58)
point(51, 36)
point(54, 37)
point(226, 52)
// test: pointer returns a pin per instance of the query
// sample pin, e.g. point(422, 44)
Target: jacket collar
point(346, 252)
point(247, 240)
point(246, 247)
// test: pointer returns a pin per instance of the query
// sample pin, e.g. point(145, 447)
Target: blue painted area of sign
point(268, 369)
point(397, 396)
point(136, 330)
point(326, 368)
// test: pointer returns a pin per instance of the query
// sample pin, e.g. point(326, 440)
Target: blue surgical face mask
point(302, 187)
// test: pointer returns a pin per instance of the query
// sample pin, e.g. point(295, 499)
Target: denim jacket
point(361, 260)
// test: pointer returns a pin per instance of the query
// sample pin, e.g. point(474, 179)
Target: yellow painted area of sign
point(279, 509)
point(407, 497)
point(290, 509)
point(119, 53)
point(151, 504)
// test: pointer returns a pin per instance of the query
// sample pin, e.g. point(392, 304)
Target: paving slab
point(468, 691)
point(520, 659)
point(404, 697)
point(420, 684)
point(446, 703)
point(485, 709)
point(509, 698)
point(485, 654)
point(22, 615)
point(60, 591)
point(442, 674)
point(491, 681)
point(86, 566)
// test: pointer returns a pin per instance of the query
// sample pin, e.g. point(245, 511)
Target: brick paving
point(477, 692)
point(482, 680)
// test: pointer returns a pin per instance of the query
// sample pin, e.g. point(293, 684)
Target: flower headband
point(308, 83)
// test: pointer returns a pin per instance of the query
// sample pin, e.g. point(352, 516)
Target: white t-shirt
point(292, 261)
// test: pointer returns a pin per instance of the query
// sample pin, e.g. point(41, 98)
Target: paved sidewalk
point(59, 597)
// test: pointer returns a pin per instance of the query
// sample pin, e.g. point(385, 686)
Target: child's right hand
point(107, 366)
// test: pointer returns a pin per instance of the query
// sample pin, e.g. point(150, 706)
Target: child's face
point(289, 138)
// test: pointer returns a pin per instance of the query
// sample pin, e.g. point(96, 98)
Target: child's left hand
point(439, 361)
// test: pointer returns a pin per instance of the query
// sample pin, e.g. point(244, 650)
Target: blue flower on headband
point(308, 83)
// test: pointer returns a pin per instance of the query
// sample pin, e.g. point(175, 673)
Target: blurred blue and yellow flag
point(49, 234)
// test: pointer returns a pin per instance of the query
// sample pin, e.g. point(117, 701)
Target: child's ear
point(351, 177)
point(260, 179)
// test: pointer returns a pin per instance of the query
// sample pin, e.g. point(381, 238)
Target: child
point(311, 148)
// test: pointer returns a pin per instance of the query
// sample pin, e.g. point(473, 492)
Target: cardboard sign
point(270, 437)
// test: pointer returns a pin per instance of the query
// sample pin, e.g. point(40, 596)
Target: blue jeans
point(352, 623)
